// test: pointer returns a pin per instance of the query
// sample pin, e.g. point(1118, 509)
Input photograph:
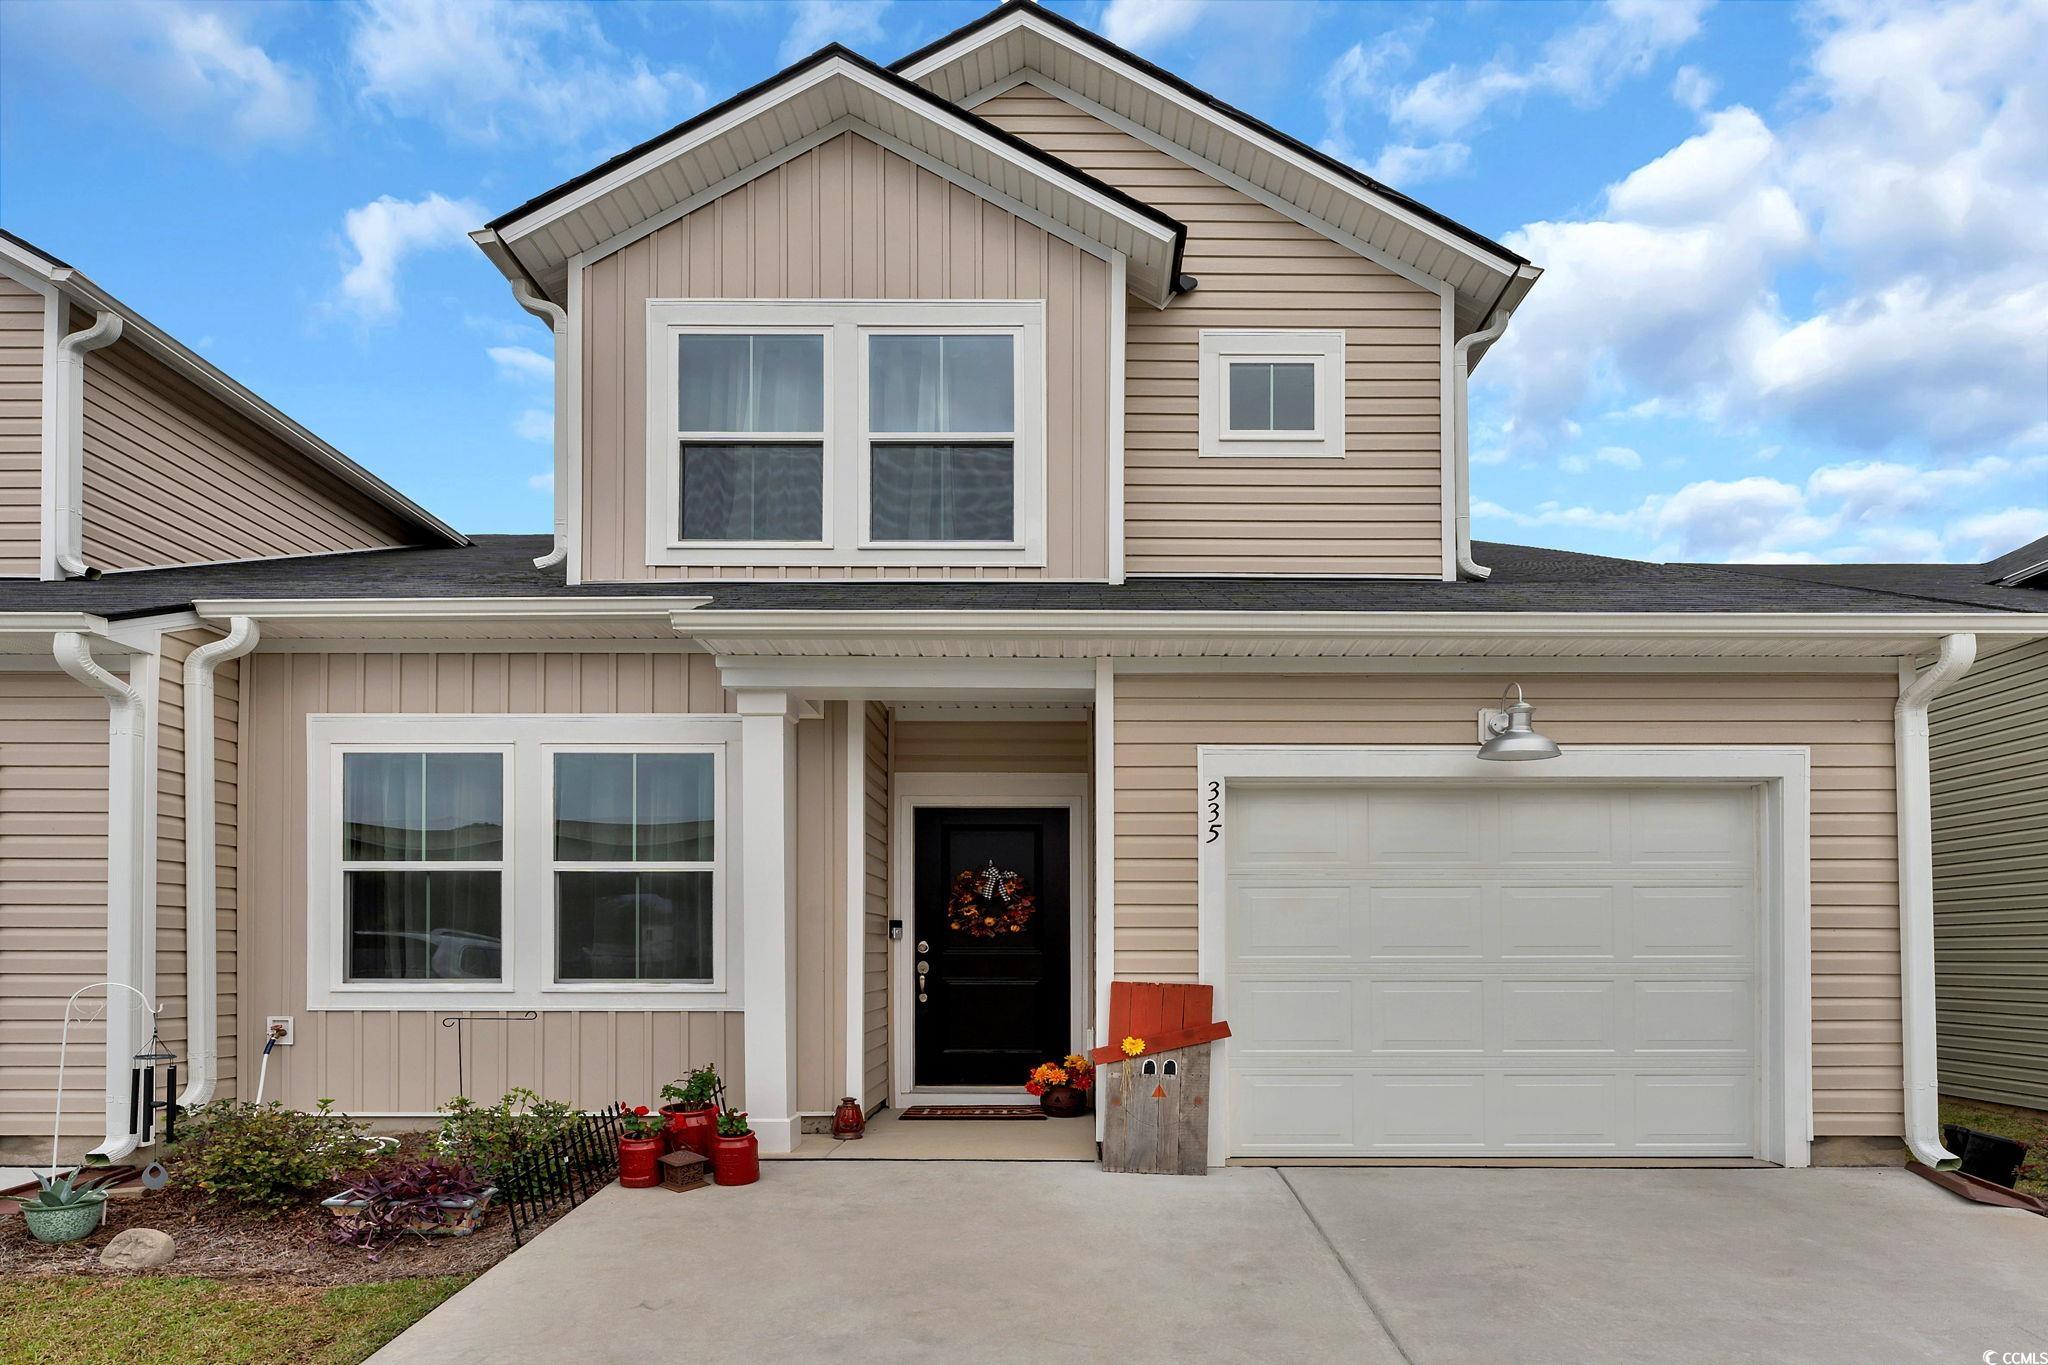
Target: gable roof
point(19, 255)
point(826, 93)
point(1489, 279)
point(2027, 564)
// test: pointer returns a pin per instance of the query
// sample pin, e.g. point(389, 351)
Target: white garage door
point(1442, 971)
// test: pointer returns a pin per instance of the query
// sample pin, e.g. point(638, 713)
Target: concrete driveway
point(831, 1261)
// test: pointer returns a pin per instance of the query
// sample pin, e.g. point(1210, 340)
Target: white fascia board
point(50, 622)
point(1202, 113)
point(900, 679)
point(454, 609)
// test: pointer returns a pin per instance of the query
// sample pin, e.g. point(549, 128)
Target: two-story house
point(1012, 460)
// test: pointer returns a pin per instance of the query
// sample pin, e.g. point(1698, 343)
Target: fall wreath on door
point(989, 903)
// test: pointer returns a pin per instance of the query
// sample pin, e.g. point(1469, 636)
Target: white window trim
point(1220, 348)
point(528, 906)
point(846, 324)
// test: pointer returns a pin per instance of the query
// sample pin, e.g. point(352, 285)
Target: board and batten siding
point(53, 898)
point(1845, 720)
point(1377, 511)
point(21, 429)
point(846, 220)
point(1989, 759)
point(875, 908)
point(402, 1061)
point(172, 476)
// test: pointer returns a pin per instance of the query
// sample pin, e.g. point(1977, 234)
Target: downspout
point(1916, 892)
point(127, 948)
point(1461, 436)
point(67, 525)
point(202, 987)
point(557, 319)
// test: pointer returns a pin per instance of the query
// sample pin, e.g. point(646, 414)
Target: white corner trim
point(1119, 335)
point(202, 989)
point(1782, 772)
point(1916, 891)
point(1453, 495)
point(131, 862)
point(1104, 961)
point(856, 897)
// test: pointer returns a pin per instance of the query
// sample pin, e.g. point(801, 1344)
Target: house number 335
point(1212, 812)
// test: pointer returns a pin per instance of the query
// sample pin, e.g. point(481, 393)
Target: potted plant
point(61, 1211)
point(692, 1109)
point(428, 1198)
point(639, 1147)
point(1062, 1087)
point(735, 1150)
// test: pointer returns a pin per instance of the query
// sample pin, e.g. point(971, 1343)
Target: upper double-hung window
point(796, 432)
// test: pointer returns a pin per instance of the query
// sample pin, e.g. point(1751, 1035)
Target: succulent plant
point(62, 1193)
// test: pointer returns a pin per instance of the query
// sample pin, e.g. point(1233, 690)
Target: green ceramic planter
point(65, 1225)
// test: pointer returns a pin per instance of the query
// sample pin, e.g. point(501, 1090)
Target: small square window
point(1271, 394)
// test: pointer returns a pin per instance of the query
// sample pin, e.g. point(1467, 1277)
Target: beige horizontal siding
point(21, 429)
point(401, 1061)
point(875, 910)
point(172, 476)
point(53, 897)
point(1376, 511)
point(1989, 753)
point(846, 220)
point(1845, 721)
point(991, 746)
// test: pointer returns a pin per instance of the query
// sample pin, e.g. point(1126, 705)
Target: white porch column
point(768, 921)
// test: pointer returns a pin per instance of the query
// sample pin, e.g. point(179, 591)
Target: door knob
point(923, 947)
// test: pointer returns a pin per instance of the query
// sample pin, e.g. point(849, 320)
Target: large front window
point(848, 433)
point(634, 837)
point(423, 865)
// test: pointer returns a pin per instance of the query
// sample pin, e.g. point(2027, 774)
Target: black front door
point(993, 942)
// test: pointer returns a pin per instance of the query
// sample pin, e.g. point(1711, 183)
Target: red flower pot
point(639, 1162)
point(691, 1128)
point(736, 1160)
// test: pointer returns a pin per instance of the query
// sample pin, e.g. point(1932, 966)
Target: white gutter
point(557, 319)
point(202, 991)
point(130, 928)
point(1461, 437)
point(63, 484)
point(1916, 891)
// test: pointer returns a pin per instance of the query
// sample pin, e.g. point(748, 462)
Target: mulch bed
point(230, 1241)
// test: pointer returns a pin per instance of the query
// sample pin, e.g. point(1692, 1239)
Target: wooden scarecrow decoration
point(1153, 1077)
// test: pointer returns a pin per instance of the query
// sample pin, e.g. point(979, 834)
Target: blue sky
point(1796, 300)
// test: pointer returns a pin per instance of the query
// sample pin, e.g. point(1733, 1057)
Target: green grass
point(2028, 1125)
point(168, 1318)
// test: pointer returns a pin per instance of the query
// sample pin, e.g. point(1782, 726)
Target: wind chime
point(143, 1104)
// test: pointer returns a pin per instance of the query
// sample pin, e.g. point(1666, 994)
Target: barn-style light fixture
point(1505, 734)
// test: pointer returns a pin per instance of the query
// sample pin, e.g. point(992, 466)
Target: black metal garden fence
point(577, 1164)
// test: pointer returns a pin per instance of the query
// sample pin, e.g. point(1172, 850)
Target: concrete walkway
point(884, 1261)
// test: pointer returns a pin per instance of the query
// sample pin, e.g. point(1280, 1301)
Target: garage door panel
point(1551, 1017)
point(1530, 971)
point(1295, 829)
point(1428, 1016)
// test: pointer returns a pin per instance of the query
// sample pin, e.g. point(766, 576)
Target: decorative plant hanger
point(989, 904)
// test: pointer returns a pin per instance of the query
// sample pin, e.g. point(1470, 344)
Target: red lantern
point(847, 1122)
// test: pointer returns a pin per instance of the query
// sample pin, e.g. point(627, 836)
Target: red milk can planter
point(736, 1160)
point(691, 1128)
point(639, 1162)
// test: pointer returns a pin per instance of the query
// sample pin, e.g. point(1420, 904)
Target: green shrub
point(489, 1138)
point(266, 1154)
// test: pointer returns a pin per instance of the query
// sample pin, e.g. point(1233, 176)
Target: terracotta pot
point(1064, 1102)
point(639, 1162)
point(847, 1121)
point(691, 1128)
point(736, 1160)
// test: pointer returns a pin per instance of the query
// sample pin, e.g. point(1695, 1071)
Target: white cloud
point(819, 22)
point(1621, 457)
point(486, 68)
point(1694, 88)
point(1358, 79)
point(542, 483)
point(1582, 64)
point(1991, 534)
point(385, 231)
point(1399, 164)
point(535, 424)
point(1917, 187)
point(522, 362)
point(1140, 23)
point(182, 63)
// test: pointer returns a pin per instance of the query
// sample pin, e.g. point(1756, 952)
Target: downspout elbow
point(202, 984)
point(557, 319)
point(67, 512)
point(1916, 894)
point(1461, 437)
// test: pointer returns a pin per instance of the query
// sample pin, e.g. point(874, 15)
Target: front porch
point(891, 1137)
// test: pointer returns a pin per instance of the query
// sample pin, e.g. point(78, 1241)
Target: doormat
point(974, 1111)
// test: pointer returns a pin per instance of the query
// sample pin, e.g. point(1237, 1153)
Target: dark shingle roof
point(1935, 586)
point(1525, 579)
